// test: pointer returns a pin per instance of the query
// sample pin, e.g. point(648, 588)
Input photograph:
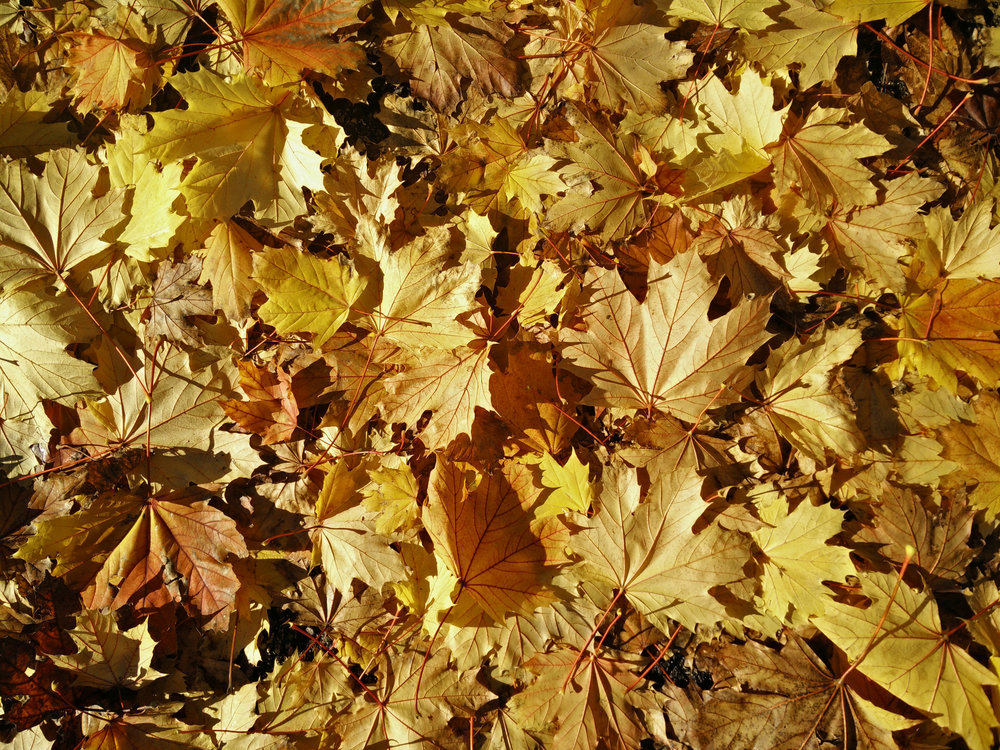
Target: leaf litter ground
point(576, 374)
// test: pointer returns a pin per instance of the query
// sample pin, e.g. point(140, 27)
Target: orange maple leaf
point(112, 73)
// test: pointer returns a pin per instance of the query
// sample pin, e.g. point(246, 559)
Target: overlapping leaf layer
point(473, 374)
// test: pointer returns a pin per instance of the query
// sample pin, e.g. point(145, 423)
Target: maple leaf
point(799, 401)
point(361, 201)
point(533, 294)
point(123, 549)
point(962, 248)
point(738, 127)
point(31, 739)
point(284, 38)
point(174, 297)
point(112, 72)
point(617, 206)
point(154, 728)
point(23, 126)
point(392, 494)
point(819, 157)
point(34, 682)
point(228, 266)
point(898, 642)
point(35, 331)
point(303, 696)
point(484, 532)
point(893, 11)
point(663, 354)
point(797, 557)
point(440, 57)
point(410, 703)
point(624, 58)
point(936, 537)
point(236, 712)
point(452, 385)
point(876, 238)
point(154, 222)
point(952, 326)
point(582, 703)
point(332, 432)
point(306, 293)
point(789, 699)
point(249, 142)
point(745, 14)
point(972, 446)
point(529, 397)
point(570, 485)
point(108, 657)
point(425, 290)
point(751, 257)
point(647, 549)
point(271, 409)
point(802, 35)
point(170, 406)
point(497, 168)
point(344, 539)
point(54, 222)
point(664, 444)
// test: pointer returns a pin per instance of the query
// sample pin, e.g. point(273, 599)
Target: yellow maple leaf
point(899, 643)
point(249, 142)
point(306, 293)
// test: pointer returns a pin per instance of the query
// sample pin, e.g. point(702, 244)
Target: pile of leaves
point(570, 373)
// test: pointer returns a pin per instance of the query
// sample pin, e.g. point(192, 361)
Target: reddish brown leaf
point(285, 37)
point(271, 410)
